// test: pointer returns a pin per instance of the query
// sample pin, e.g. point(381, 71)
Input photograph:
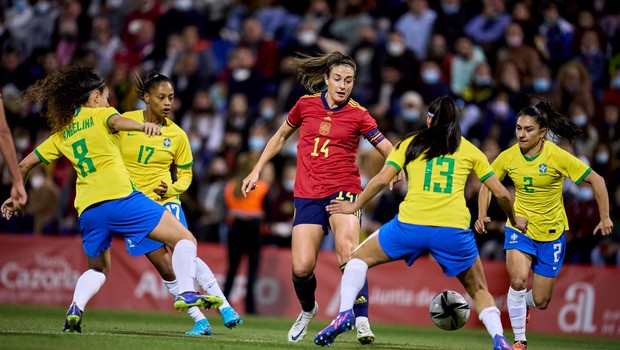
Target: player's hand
point(605, 226)
point(151, 129)
point(8, 210)
point(18, 195)
point(161, 189)
point(340, 207)
point(480, 225)
point(521, 224)
point(398, 178)
point(249, 183)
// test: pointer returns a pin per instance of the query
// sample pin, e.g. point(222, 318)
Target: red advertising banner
point(44, 270)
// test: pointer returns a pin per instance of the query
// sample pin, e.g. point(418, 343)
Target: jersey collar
point(326, 105)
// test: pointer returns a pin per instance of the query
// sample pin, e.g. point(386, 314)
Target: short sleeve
point(294, 116)
point(104, 114)
point(500, 165)
point(48, 151)
point(368, 123)
point(482, 168)
point(396, 158)
point(572, 166)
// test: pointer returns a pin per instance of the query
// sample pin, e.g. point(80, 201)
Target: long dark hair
point(62, 91)
point(313, 69)
point(146, 81)
point(442, 137)
point(548, 118)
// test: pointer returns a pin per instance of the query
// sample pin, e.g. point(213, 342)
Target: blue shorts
point(312, 211)
point(148, 245)
point(547, 257)
point(133, 217)
point(454, 249)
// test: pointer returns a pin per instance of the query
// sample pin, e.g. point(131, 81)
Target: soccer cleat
point(500, 343)
point(201, 327)
point(364, 335)
point(520, 345)
point(188, 299)
point(231, 318)
point(344, 322)
point(300, 327)
point(73, 322)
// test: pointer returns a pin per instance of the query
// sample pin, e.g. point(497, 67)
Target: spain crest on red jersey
point(324, 128)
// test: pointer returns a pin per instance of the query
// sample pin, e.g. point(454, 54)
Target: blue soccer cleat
point(73, 322)
point(201, 327)
point(344, 322)
point(500, 343)
point(231, 318)
point(188, 299)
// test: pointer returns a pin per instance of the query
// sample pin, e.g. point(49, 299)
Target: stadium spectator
point(468, 57)
point(416, 26)
point(486, 28)
point(544, 247)
point(439, 223)
point(557, 36)
point(319, 179)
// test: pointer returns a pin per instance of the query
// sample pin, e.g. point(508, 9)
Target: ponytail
point(312, 70)
point(547, 117)
point(146, 81)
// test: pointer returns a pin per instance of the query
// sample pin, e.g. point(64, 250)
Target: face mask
point(514, 41)
point(195, 144)
point(450, 9)
point(585, 194)
point(589, 52)
point(541, 84)
point(580, 119)
point(37, 181)
point(307, 37)
point(482, 80)
point(395, 48)
point(20, 5)
point(288, 185)
point(601, 157)
point(430, 76)
point(256, 143)
point(41, 7)
point(268, 113)
point(616, 82)
point(411, 114)
point(241, 74)
point(114, 3)
point(21, 143)
point(183, 5)
point(500, 108)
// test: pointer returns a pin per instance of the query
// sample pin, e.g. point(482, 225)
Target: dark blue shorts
point(547, 257)
point(312, 211)
point(454, 248)
point(148, 245)
point(133, 217)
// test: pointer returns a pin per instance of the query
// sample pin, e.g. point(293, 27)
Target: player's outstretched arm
point(118, 123)
point(504, 199)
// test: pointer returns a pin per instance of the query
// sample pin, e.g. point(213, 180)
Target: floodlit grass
point(30, 327)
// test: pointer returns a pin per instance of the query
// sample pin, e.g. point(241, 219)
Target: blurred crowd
point(230, 62)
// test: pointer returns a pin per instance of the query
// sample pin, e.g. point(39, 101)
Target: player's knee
point(542, 302)
point(302, 271)
point(518, 283)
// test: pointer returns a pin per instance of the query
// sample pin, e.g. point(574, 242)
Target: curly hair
point(312, 70)
point(62, 91)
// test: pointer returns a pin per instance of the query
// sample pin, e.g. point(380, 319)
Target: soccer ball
point(449, 310)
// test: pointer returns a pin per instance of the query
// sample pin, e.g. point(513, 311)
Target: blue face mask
point(585, 194)
point(541, 85)
point(450, 9)
point(268, 113)
point(615, 82)
point(580, 119)
point(256, 143)
point(430, 76)
point(410, 115)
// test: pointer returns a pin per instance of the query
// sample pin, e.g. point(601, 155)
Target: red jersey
point(327, 148)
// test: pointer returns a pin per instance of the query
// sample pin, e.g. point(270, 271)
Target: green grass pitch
point(31, 327)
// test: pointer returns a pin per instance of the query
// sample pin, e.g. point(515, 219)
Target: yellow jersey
point(91, 147)
point(538, 183)
point(435, 193)
point(149, 159)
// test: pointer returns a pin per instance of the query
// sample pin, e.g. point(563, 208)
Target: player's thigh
point(346, 231)
point(305, 243)
point(170, 231)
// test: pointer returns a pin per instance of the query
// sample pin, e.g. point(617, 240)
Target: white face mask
point(37, 181)
point(585, 194)
point(183, 5)
point(21, 143)
point(288, 185)
point(395, 48)
point(580, 119)
point(307, 37)
point(195, 144)
point(241, 74)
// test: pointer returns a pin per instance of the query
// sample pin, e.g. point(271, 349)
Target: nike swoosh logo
point(555, 267)
point(511, 169)
point(297, 336)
